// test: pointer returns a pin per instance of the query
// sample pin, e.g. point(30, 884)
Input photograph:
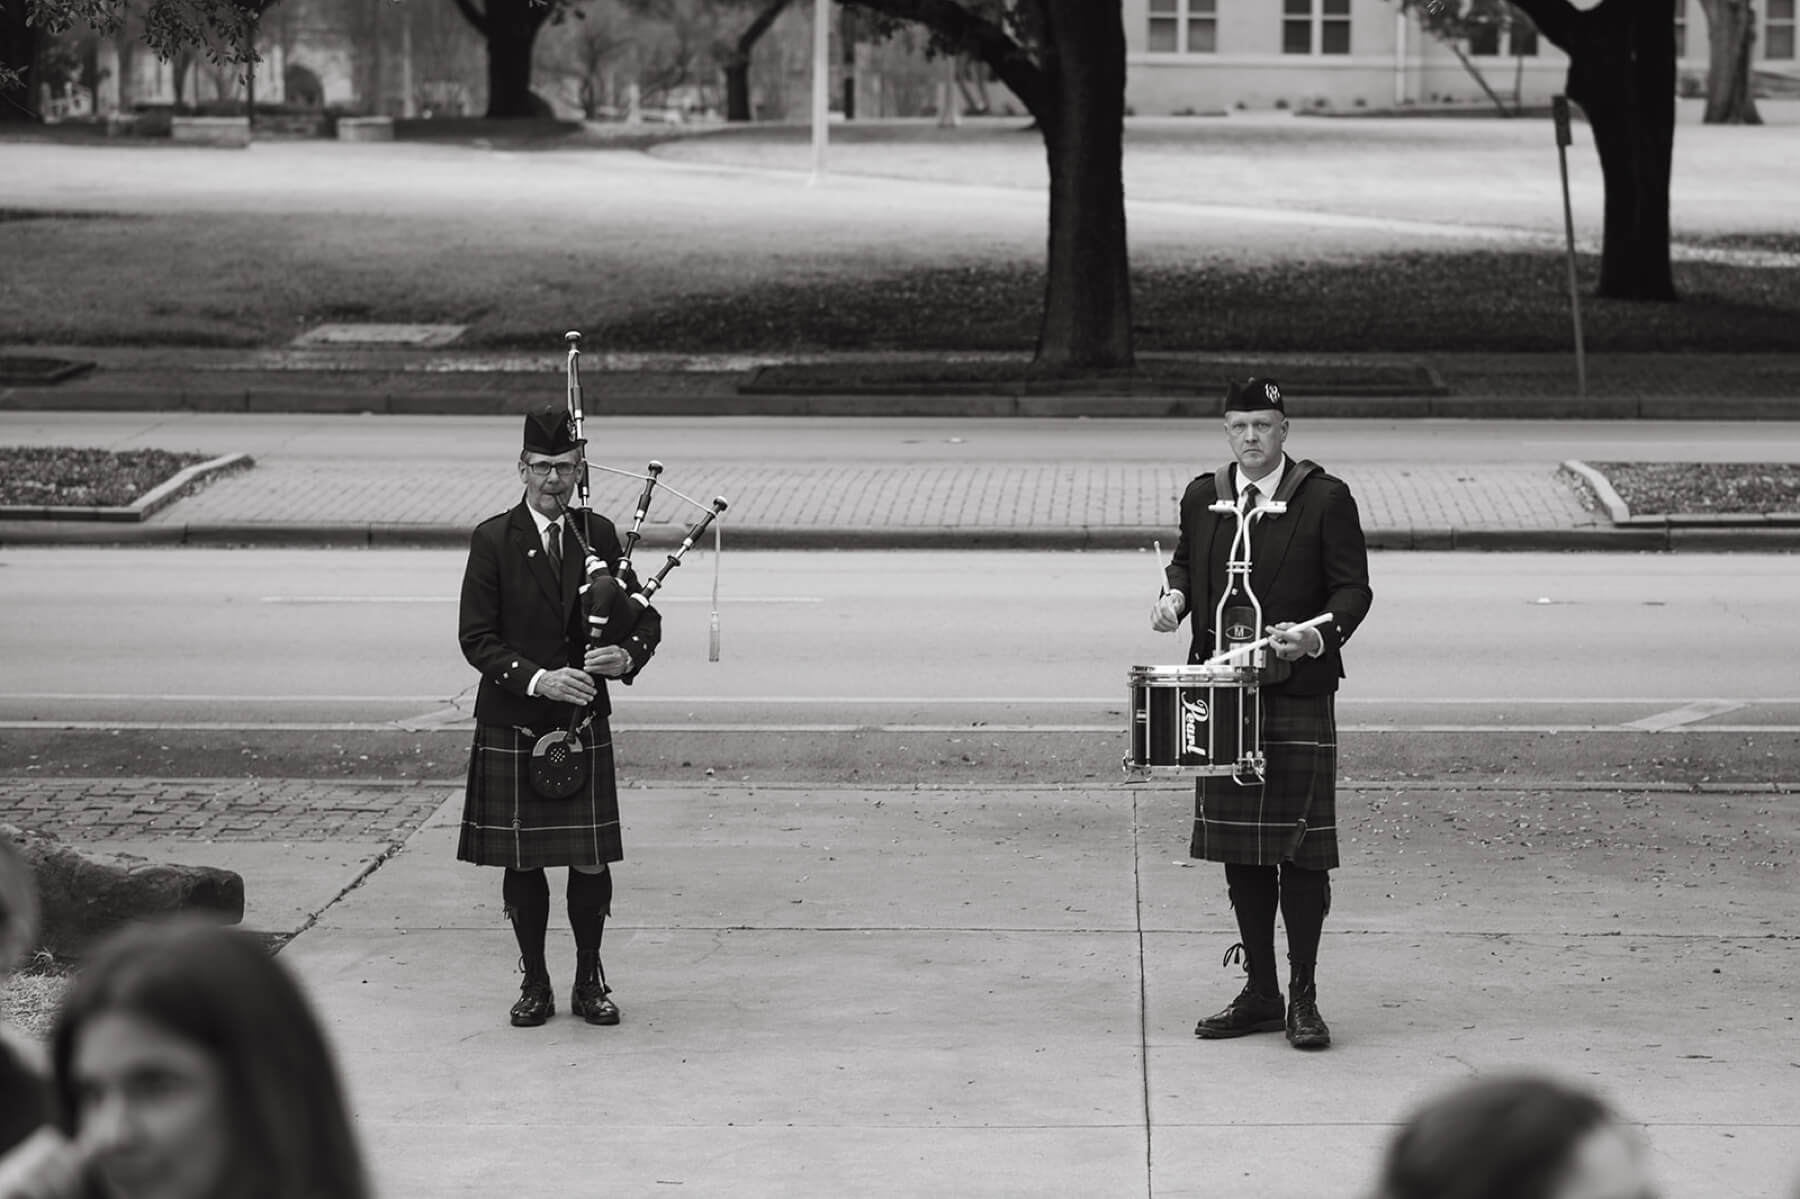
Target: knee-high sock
point(590, 899)
point(1305, 898)
point(1255, 892)
point(526, 894)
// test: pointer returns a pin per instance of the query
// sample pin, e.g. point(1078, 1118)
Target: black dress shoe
point(537, 1003)
point(1305, 1027)
point(1252, 1011)
point(589, 997)
point(588, 1000)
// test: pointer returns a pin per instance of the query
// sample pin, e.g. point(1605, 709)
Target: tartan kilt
point(1252, 825)
point(506, 823)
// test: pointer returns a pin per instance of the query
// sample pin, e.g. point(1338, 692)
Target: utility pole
point(1559, 111)
point(821, 86)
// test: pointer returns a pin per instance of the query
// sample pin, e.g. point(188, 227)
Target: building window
point(1680, 29)
point(1184, 26)
point(1521, 37)
point(1778, 29)
point(1315, 26)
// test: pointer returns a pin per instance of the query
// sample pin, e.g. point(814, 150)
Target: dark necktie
point(1250, 494)
point(553, 548)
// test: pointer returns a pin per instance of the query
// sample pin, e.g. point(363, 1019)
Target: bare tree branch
point(747, 40)
point(987, 40)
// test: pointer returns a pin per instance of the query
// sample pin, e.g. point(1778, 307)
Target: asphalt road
point(1653, 668)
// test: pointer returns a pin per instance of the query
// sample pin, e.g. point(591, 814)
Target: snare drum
point(1194, 720)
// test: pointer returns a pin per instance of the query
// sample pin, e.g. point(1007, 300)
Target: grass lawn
point(1246, 234)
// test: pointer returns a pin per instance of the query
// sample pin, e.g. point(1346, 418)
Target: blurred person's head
point(189, 1066)
point(18, 907)
point(1515, 1137)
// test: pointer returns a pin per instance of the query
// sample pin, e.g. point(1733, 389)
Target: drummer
point(1277, 838)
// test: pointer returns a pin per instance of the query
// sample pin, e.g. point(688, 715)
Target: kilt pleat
point(1252, 825)
point(506, 823)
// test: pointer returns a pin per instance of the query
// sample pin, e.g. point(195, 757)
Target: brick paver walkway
point(90, 809)
point(926, 495)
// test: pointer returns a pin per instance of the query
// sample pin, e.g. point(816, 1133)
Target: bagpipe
point(613, 601)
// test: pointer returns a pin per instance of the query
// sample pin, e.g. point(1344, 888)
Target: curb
point(369, 535)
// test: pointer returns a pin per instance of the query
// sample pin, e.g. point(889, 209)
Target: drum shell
point(1193, 720)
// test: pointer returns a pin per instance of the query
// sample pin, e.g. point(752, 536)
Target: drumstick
point(1234, 651)
point(1161, 573)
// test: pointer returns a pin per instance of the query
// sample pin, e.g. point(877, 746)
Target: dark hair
point(1510, 1137)
point(222, 991)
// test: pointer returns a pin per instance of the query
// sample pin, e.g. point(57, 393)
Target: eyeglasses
point(564, 470)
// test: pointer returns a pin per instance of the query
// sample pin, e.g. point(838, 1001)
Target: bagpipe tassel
point(712, 636)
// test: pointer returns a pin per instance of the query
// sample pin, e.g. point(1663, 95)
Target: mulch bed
point(1664, 488)
point(81, 477)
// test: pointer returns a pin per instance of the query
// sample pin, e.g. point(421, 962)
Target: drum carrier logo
point(1193, 723)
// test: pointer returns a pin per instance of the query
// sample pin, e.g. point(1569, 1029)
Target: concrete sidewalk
point(980, 991)
point(337, 480)
point(917, 505)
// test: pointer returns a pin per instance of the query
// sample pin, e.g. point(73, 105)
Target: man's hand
point(1290, 647)
point(1165, 617)
point(611, 661)
point(567, 685)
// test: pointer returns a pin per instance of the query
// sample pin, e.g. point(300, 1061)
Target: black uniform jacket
point(1307, 561)
point(517, 618)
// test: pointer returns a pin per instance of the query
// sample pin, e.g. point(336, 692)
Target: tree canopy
point(215, 27)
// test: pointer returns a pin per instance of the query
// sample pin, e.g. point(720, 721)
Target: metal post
point(409, 106)
point(1559, 111)
point(821, 86)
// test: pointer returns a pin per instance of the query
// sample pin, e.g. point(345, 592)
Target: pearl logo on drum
point(1193, 727)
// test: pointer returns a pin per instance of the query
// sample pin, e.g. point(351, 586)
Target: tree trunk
point(509, 68)
point(737, 65)
point(737, 88)
point(126, 48)
point(20, 46)
point(179, 66)
point(250, 69)
point(1087, 293)
point(1731, 34)
point(1622, 73)
point(510, 28)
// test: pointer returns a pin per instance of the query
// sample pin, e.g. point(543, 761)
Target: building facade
point(1197, 56)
